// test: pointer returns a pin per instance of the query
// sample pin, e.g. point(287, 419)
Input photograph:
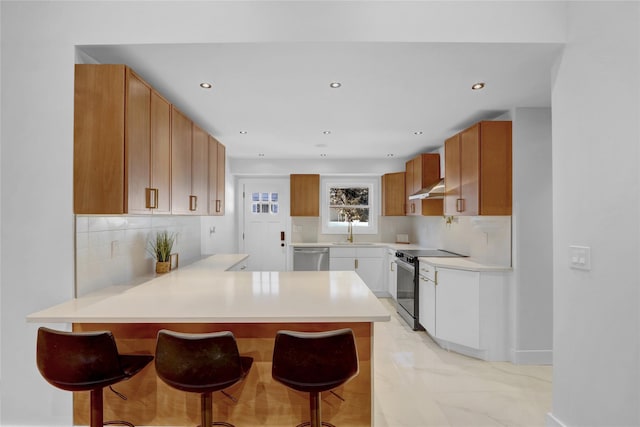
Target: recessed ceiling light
point(243, 132)
point(478, 86)
point(418, 132)
point(205, 85)
point(335, 85)
point(326, 132)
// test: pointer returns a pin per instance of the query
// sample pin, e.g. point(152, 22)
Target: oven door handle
point(406, 265)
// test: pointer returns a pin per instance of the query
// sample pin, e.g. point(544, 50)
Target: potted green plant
point(160, 248)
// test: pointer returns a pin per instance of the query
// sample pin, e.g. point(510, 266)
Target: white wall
point(532, 236)
point(37, 58)
point(596, 191)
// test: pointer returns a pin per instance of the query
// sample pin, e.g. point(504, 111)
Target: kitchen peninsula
point(202, 297)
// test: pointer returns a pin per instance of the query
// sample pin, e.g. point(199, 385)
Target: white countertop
point(203, 293)
point(462, 264)
point(218, 262)
point(357, 244)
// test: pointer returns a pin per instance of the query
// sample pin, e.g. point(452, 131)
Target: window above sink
point(347, 200)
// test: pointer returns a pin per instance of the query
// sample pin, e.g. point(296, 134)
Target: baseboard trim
point(533, 357)
point(552, 421)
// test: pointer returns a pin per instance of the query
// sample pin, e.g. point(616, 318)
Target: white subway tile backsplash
point(82, 224)
point(461, 236)
point(112, 250)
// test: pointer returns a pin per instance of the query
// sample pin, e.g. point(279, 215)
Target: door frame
point(239, 182)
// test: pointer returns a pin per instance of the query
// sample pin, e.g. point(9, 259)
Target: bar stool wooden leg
point(96, 407)
point(314, 406)
point(206, 402)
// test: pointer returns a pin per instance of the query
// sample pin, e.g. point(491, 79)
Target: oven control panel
point(409, 259)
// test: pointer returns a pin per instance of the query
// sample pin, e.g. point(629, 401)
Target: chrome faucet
point(350, 232)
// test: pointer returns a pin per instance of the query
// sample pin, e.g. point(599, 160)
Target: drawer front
point(342, 252)
point(427, 271)
point(370, 252)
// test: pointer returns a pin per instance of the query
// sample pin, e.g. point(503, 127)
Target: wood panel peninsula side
point(202, 297)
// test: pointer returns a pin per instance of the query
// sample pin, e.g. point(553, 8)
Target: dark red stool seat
point(200, 363)
point(314, 362)
point(85, 361)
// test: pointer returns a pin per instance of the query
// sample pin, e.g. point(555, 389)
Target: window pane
point(255, 197)
point(349, 196)
point(349, 214)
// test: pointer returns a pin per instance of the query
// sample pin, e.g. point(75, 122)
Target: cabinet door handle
point(460, 205)
point(218, 204)
point(152, 198)
point(391, 266)
point(435, 280)
point(193, 203)
point(356, 263)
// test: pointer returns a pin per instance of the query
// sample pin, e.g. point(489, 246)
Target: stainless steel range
point(407, 262)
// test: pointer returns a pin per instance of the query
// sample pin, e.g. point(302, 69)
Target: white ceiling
point(279, 92)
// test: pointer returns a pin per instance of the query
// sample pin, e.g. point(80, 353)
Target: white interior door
point(265, 218)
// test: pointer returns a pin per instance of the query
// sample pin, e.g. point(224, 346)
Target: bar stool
point(200, 363)
point(86, 361)
point(314, 362)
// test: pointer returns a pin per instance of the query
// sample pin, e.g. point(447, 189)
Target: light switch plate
point(580, 257)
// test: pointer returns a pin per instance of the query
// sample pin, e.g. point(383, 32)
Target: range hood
point(435, 191)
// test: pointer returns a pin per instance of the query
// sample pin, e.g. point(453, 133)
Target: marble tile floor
point(416, 384)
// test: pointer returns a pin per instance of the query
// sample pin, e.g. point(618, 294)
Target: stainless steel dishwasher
point(311, 258)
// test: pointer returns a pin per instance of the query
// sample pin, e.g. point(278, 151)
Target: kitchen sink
point(353, 244)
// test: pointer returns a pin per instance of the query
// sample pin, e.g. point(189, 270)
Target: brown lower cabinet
point(261, 400)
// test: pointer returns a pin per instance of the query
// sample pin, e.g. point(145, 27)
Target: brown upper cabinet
point(305, 195)
point(181, 136)
point(478, 170)
point(217, 154)
point(199, 172)
point(121, 143)
point(190, 166)
point(393, 194)
point(422, 171)
point(132, 149)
